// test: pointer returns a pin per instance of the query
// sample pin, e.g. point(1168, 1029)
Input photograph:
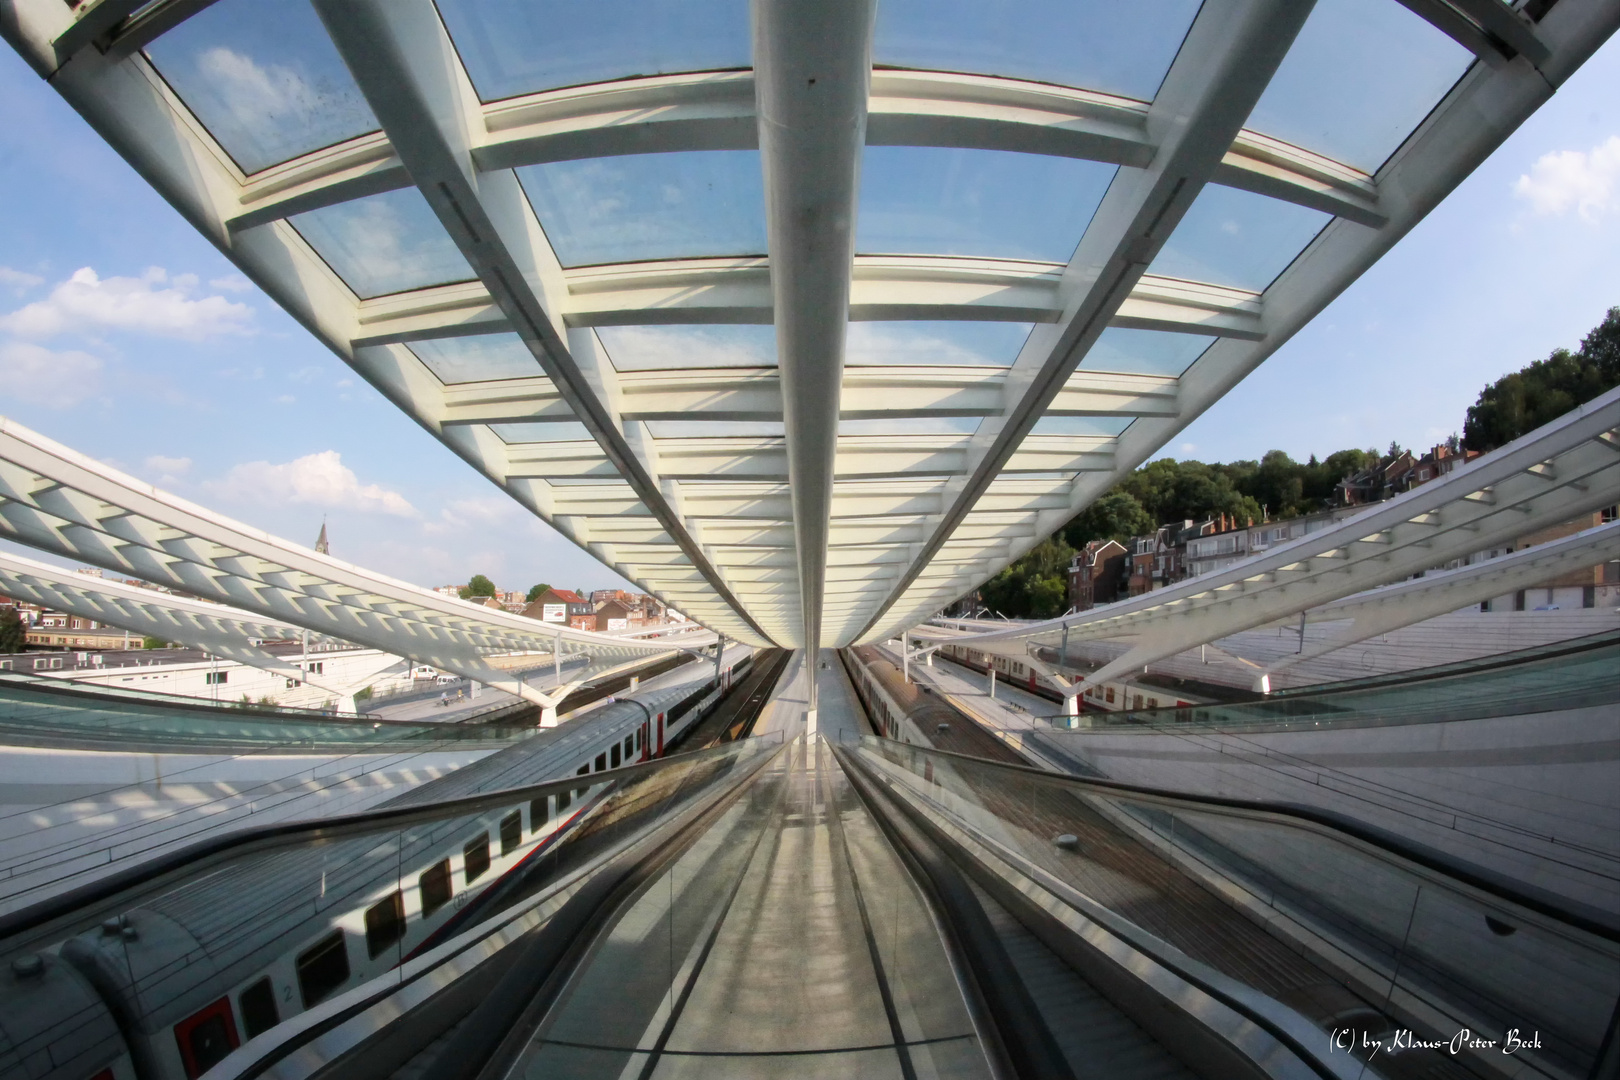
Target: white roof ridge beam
point(812, 80)
point(1446, 147)
point(1390, 607)
point(409, 72)
point(1224, 65)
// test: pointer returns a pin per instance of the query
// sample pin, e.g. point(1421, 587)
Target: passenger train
point(167, 989)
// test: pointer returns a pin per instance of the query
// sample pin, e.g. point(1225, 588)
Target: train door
point(660, 734)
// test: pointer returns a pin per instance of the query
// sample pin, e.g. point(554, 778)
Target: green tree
point(150, 642)
point(1115, 516)
point(535, 592)
point(1518, 403)
point(478, 586)
point(1034, 587)
point(13, 634)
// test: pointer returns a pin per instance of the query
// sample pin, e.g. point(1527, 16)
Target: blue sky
point(125, 335)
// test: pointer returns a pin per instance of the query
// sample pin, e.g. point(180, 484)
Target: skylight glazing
point(910, 425)
point(559, 431)
point(716, 429)
point(1094, 426)
point(650, 206)
point(1145, 352)
point(680, 348)
point(1237, 238)
point(384, 243)
point(477, 359)
point(513, 47)
point(264, 79)
point(925, 200)
point(982, 344)
point(1117, 48)
point(1359, 78)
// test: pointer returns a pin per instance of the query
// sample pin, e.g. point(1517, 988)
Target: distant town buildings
point(1105, 570)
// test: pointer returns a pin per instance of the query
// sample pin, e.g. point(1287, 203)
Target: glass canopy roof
point(564, 236)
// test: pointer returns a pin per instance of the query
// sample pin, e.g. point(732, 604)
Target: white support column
point(992, 668)
point(905, 655)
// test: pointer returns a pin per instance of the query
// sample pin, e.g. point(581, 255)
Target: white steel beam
point(406, 66)
point(813, 65)
point(1228, 58)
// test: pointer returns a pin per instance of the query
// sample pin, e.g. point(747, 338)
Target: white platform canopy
point(56, 500)
point(807, 318)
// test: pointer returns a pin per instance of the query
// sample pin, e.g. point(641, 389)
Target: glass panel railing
point(195, 955)
point(1351, 933)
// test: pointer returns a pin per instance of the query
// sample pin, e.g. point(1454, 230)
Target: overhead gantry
point(1553, 475)
point(56, 500)
point(809, 501)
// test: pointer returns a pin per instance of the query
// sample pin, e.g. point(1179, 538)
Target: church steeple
point(320, 541)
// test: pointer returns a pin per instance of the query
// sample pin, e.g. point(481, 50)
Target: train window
point(322, 968)
point(511, 832)
point(206, 1036)
point(1137, 699)
point(476, 856)
point(629, 746)
point(1110, 695)
point(613, 760)
point(539, 814)
point(601, 762)
point(641, 739)
point(258, 1005)
point(435, 887)
point(385, 924)
point(563, 799)
point(583, 769)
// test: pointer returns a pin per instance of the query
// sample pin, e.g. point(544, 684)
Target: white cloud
point(875, 343)
point(255, 94)
point(480, 513)
point(231, 283)
point(168, 469)
point(315, 479)
point(1588, 183)
point(153, 303)
point(42, 376)
point(18, 280)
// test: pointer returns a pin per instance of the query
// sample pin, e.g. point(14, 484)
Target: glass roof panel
point(477, 359)
point(926, 200)
point(264, 79)
point(1237, 238)
point(384, 243)
point(669, 348)
point(987, 344)
point(1081, 425)
point(1093, 44)
point(1145, 352)
point(910, 425)
point(513, 47)
point(650, 206)
point(1359, 78)
point(560, 431)
point(715, 429)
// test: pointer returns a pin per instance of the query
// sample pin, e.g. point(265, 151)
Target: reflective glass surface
point(910, 425)
point(1081, 425)
point(515, 47)
point(264, 79)
point(1359, 78)
point(384, 243)
point(1093, 44)
point(987, 344)
point(1237, 238)
point(924, 200)
point(561, 431)
point(663, 348)
point(476, 359)
point(715, 429)
point(1145, 352)
point(650, 206)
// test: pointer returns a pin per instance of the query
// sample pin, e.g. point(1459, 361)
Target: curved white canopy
point(549, 318)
